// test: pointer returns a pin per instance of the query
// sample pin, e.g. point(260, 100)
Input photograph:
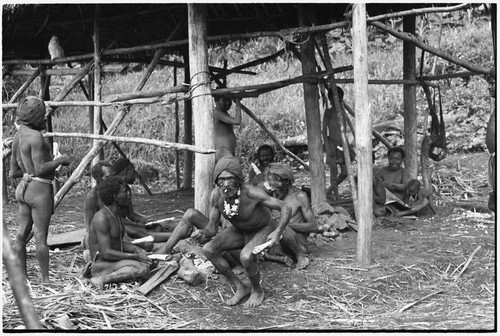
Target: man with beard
point(302, 222)
point(32, 160)
point(225, 140)
point(247, 208)
point(265, 155)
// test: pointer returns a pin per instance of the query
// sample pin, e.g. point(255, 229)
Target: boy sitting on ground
point(418, 199)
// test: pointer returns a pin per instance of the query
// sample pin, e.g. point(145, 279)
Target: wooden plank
point(65, 238)
point(161, 275)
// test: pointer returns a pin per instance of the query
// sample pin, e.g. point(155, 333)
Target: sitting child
point(418, 198)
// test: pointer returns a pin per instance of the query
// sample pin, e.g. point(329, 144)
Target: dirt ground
point(424, 274)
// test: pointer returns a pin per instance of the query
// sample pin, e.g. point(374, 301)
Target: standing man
point(113, 258)
point(247, 208)
point(32, 160)
point(332, 139)
point(225, 140)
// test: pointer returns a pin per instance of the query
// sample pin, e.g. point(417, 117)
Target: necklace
point(231, 210)
point(119, 224)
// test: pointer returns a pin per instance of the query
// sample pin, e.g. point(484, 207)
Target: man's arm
point(226, 118)
point(274, 203)
point(305, 207)
point(15, 170)
point(89, 208)
point(41, 166)
point(213, 215)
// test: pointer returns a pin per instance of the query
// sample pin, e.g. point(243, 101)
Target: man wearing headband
point(32, 160)
point(302, 222)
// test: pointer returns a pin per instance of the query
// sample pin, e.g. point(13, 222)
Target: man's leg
point(191, 217)
point(23, 232)
point(42, 211)
point(290, 241)
point(228, 239)
point(114, 272)
point(251, 268)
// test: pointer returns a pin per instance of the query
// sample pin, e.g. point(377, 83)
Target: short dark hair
point(120, 165)
point(96, 171)
point(265, 146)
point(340, 92)
point(396, 150)
point(109, 187)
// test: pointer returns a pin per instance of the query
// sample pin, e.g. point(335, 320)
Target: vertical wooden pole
point(202, 104)
point(17, 281)
point(177, 168)
point(363, 138)
point(97, 84)
point(187, 180)
point(313, 123)
point(410, 100)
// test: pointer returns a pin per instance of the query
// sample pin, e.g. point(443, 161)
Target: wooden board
point(65, 238)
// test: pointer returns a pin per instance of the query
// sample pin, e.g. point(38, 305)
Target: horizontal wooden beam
point(153, 142)
point(229, 37)
point(109, 68)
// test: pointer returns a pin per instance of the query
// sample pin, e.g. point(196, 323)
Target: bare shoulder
point(254, 192)
point(298, 195)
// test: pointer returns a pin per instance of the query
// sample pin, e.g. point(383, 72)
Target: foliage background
point(465, 101)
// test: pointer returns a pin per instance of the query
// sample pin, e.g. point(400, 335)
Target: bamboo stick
point(422, 45)
point(158, 143)
point(136, 94)
point(97, 111)
point(26, 84)
point(108, 68)
point(271, 135)
point(70, 85)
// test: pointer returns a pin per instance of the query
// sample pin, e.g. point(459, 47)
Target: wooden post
point(202, 104)
point(187, 181)
point(176, 136)
point(410, 100)
point(313, 124)
point(363, 138)
point(97, 85)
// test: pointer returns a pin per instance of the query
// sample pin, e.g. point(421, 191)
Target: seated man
point(134, 222)
point(265, 155)
point(394, 177)
point(113, 258)
point(418, 199)
point(302, 222)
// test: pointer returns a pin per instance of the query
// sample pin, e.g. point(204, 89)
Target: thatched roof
point(27, 29)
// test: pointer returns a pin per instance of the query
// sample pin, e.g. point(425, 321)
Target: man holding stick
point(32, 160)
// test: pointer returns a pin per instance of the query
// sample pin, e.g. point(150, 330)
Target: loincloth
point(25, 181)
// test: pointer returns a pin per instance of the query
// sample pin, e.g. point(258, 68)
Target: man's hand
point(200, 237)
point(142, 256)
point(64, 159)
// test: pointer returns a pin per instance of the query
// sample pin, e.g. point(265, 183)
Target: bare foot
point(302, 262)
point(238, 296)
point(238, 270)
point(255, 299)
point(287, 261)
point(97, 282)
